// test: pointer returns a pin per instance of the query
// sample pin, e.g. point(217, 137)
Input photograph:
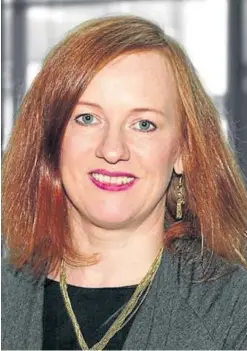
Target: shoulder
point(22, 299)
point(16, 287)
point(219, 302)
point(18, 282)
point(12, 277)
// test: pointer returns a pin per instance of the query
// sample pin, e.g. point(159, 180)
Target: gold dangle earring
point(180, 199)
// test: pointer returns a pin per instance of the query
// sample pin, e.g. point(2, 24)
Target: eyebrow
point(136, 109)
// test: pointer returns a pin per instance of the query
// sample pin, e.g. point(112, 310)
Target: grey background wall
point(214, 33)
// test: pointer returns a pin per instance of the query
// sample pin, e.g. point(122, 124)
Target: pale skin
point(126, 227)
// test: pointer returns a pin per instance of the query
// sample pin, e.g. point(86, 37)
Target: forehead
point(143, 76)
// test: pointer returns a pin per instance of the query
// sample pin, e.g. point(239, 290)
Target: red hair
point(35, 219)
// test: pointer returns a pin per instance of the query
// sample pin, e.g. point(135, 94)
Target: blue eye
point(145, 126)
point(86, 119)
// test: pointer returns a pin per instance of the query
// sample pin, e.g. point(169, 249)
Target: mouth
point(112, 181)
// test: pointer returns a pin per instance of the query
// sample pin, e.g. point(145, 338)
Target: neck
point(125, 255)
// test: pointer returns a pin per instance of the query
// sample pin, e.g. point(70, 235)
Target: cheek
point(74, 149)
point(159, 155)
point(72, 164)
point(163, 163)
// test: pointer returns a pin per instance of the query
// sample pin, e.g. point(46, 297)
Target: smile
point(108, 183)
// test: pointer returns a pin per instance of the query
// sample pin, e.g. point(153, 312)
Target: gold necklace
point(121, 319)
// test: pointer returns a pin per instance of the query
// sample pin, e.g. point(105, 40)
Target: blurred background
point(213, 32)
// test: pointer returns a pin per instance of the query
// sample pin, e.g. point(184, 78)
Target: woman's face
point(121, 143)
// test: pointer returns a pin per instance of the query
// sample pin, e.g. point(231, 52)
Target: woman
point(115, 141)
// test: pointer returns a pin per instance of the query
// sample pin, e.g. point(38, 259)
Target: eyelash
point(83, 115)
point(154, 127)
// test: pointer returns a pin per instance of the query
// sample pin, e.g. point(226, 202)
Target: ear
point(178, 166)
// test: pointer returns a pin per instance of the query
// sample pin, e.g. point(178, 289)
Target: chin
point(111, 219)
point(110, 225)
point(104, 215)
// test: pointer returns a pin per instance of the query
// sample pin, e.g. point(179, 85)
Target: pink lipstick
point(108, 186)
point(113, 174)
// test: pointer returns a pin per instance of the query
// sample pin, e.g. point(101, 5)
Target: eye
point(86, 119)
point(145, 126)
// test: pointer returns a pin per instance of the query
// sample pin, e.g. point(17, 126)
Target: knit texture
point(177, 314)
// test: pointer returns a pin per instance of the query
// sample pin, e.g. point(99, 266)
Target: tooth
point(107, 179)
point(119, 180)
point(113, 180)
point(101, 177)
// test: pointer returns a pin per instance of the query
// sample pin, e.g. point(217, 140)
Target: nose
point(113, 147)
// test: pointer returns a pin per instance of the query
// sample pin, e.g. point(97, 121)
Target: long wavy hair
point(34, 212)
